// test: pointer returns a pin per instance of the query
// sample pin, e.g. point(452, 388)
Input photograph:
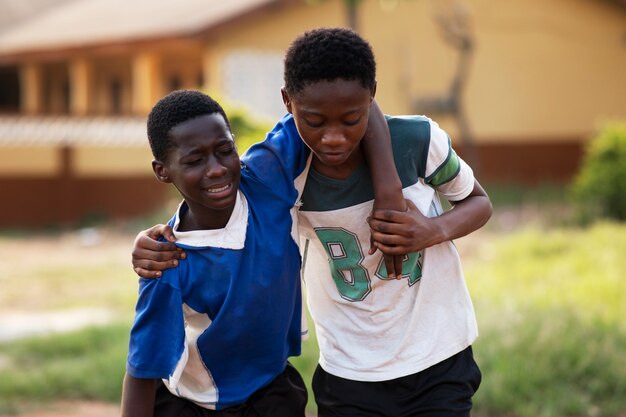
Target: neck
point(340, 171)
point(202, 219)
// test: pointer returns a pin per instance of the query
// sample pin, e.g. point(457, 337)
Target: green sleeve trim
point(446, 171)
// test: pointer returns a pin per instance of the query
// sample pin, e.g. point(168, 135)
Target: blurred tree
point(598, 189)
point(351, 8)
point(454, 24)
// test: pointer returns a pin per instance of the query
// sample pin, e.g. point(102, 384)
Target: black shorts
point(443, 390)
point(285, 396)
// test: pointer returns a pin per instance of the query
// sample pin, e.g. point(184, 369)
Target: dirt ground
point(76, 409)
point(83, 409)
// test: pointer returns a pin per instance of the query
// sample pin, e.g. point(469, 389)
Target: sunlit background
point(532, 93)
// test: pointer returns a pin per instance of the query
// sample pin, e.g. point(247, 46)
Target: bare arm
point(138, 397)
point(376, 147)
point(378, 152)
point(411, 231)
point(151, 256)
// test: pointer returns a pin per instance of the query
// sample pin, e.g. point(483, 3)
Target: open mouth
point(218, 189)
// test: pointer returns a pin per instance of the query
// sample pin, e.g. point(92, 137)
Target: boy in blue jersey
point(388, 347)
point(212, 337)
point(200, 342)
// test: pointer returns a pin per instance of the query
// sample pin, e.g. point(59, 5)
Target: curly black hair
point(326, 54)
point(173, 109)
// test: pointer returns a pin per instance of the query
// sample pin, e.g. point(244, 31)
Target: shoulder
point(416, 126)
point(282, 151)
point(169, 281)
point(275, 139)
point(412, 132)
point(411, 137)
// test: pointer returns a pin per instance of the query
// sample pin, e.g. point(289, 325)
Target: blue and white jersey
point(222, 324)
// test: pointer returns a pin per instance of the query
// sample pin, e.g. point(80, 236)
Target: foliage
point(306, 364)
point(550, 311)
point(247, 129)
point(599, 188)
point(88, 364)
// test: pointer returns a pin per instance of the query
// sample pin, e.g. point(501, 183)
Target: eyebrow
point(221, 141)
point(347, 113)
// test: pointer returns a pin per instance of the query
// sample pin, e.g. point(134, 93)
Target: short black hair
point(173, 109)
point(327, 54)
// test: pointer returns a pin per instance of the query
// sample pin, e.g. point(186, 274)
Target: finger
point(397, 260)
point(385, 227)
point(168, 233)
point(388, 239)
point(393, 250)
point(148, 243)
point(372, 249)
point(394, 216)
point(152, 266)
point(140, 254)
point(144, 273)
point(389, 264)
point(160, 230)
point(387, 215)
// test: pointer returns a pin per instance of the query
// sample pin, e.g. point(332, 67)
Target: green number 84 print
point(345, 259)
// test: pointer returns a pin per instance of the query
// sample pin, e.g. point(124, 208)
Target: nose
point(333, 137)
point(214, 168)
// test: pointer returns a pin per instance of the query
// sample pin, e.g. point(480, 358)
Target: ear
point(286, 99)
point(373, 91)
point(160, 171)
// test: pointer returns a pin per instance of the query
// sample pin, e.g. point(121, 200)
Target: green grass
point(517, 194)
point(550, 306)
point(306, 363)
point(88, 364)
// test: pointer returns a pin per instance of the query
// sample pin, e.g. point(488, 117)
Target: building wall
point(543, 75)
point(541, 70)
point(542, 78)
point(44, 201)
point(50, 186)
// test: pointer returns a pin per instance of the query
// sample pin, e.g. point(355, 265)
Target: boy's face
point(332, 117)
point(203, 165)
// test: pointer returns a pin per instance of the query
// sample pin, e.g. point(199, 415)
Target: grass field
point(549, 300)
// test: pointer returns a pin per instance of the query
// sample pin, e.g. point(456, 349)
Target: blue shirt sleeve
point(157, 337)
point(282, 156)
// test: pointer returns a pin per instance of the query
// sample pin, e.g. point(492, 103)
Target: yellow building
point(525, 81)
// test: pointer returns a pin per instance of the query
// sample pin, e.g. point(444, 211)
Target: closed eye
point(191, 162)
point(314, 123)
point(352, 122)
point(226, 150)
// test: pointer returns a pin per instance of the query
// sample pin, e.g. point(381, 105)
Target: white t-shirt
point(370, 327)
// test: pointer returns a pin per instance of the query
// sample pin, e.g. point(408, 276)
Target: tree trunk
point(352, 7)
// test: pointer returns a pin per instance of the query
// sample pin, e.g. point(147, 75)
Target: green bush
point(599, 189)
point(87, 364)
point(247, 129)
point(550, 308)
